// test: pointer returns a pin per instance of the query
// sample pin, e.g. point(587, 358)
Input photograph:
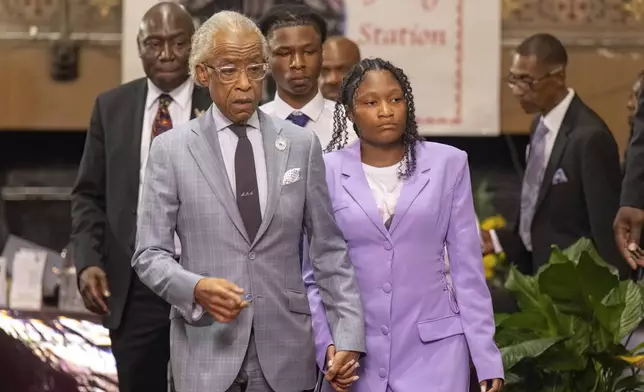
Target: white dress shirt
point(179, 109)
point(319, 110)
point(553, 120)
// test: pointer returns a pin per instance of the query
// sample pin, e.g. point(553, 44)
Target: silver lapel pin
point(280, 144)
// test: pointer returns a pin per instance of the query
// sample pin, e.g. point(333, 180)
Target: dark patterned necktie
point(162, 121)
point(299, 119)
point(246, 189)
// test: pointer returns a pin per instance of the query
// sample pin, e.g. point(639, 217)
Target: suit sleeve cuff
point(186, 299)
point(197, 312)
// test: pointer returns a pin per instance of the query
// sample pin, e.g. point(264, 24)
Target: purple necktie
point(532, 179)
point(299, 119)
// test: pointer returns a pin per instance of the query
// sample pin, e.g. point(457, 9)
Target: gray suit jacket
point(186, 188)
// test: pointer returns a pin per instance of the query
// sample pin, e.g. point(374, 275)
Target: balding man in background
point(106, 194)
point(339, 55)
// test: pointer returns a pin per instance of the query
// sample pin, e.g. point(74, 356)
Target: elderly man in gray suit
point(240, 187)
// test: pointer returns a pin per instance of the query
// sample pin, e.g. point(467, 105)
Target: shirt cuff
point(495, 242)
point(197, 312)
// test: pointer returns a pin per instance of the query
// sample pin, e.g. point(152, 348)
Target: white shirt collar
point(555, 117)
point(222, 122)
point(181, 95)
point(313, 109)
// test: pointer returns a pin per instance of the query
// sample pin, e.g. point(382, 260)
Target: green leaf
point(508, 337)
point(511, 379)
point(576, 287)
point(629, 383)
point(557, 256)
point(586, 379)
point(627, 296)
point(601, 340)
point(569, 354)
point(528, 349)
point(563, 358)
point(483, 201)
point(533, 321)
point(500, 317)
point(595, 278)
point(582, 245)
point(525, 289)
point(559, 281)
point(637, 349)
point(574, 251)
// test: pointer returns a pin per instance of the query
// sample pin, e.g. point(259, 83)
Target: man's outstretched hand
point(627, 228)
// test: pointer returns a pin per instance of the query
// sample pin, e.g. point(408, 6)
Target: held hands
point(221, 298)
point(494, 385)
point(341, 370)
point(628, 230)
point(92, 285)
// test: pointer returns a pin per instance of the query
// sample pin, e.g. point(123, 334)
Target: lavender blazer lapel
point(355, 183)
point(412, 186)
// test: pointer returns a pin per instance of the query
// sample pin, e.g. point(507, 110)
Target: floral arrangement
point(494, 264)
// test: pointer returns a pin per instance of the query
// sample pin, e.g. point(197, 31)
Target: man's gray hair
point(203, 41)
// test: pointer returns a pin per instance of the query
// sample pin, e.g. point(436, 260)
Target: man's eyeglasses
point(231, 73)
point(528, 83)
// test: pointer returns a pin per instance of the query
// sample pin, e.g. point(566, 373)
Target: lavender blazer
point(421, 327)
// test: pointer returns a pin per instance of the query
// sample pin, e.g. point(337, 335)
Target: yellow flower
point(489, 262)
point(493, 223)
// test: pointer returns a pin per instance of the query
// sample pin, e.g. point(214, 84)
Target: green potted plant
point(567, 336)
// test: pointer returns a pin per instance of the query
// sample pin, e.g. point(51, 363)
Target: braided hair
point(346, 101)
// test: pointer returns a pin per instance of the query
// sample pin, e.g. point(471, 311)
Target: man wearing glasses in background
point(571, 184)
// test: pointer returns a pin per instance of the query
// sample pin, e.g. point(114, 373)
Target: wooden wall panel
point(30, 100)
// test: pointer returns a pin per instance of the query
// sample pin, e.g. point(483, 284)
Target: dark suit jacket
point(4, 231)
point(633, 185)
point(586, 204)
point(106, 193)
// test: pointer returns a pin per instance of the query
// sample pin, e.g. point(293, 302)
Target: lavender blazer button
point(382, 373)
point(387, 245)
point(385, 330)
point(386, 287)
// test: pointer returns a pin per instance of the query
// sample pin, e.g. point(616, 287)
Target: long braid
point(345, 103)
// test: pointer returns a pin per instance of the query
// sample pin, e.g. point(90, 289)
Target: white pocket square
point(559, 177)
point(291, 176)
